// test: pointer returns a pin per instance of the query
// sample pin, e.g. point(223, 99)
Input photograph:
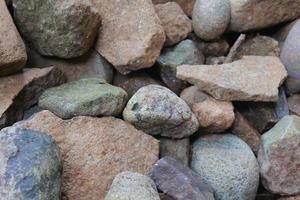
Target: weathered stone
point(279, 157)
point(95, 150)
point(85, 97)
point(133, 186)
point(290, 51)
point(186, 5)
point(292, 85)
point(244, 130)
point(178, 149)
point(91, 65)
point(186, 52)
point(213, 115)
point(211, 60)
point(132, 82)
point(228, 165)
point(175, 23)
point(179, 181)
point(294, 104)
point(211, 18)
point(23, 90)
point(52, 26)
point(132, 35)
point(30, 165)
point(252, 15)
point(12, 49)
point(253, 78)
point(258, 46)
point(158, 111)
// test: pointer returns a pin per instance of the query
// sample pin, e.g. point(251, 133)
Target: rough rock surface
point(290, 51)
point(279, 157)
point(158, 111)
point(258, 46)
point(93, 149)
point(131, 36)
point(213, 115)
point(178, 149)
point(52, 26)
point(12, 49)
point(211, 18)
point(90, 65)
point(132, 186)
point(85, 97)
point(253, 78)
point(175, 23)
point(179, 182)
point(251, 14)
point(294, 104)
point(244, 130)
point(132, 82)
point(23, 90)
point(228, 165)
point(186, 52)
point(30, 165)
point(186, 5)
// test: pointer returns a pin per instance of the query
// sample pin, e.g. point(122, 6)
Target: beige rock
point(21, 91)
point(244, 130)
point(253, 78)
point(95, 150)
point(252, 14)
point(12, 49)
point(174, 21)
point(213, 115)
point(294, 104)
point(131, 36)
point(186, 5)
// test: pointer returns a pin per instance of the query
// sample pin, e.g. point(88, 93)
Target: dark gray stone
point(186, 52)
point(179, 182)
point(292, 85)
point(30, 165)
point(64, 29)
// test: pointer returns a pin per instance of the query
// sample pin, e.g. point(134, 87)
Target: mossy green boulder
point(85, 97)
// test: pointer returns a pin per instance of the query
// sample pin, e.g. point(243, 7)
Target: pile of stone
point(149, 100)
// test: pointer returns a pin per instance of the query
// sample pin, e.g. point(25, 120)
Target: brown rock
point(292, 85)
point(12, 49)
point(258, 46)
point(251, 14)
point(186, 5)
point(175, 23)
point(178, 149)
point(294, 104)
point(253, 78)
point(131, 36)
point(91, 65)
point(213, 115)
point(132, 82)
point(244, 130)
point(290, 198)
point(21, 91)
point(94, 151)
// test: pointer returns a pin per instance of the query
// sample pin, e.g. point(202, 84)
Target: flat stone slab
point(253, 78)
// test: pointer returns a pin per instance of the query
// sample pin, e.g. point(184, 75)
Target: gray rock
point(279, 157)
point(294, 104)
point(179, 182)
point(178, 149)
point(290, 52)
point(281, 34)
point(158, 111)
point(292, 85)
point(228, 164)
point(64, 29)
point(31, 111)
point(85, 97)
point(132, 186)
point(30, 165)
point(211, 18)
point(186, 52)
point(90, 65)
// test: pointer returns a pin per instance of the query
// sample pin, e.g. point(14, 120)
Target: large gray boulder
point(30, 165)
point(64, 29)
